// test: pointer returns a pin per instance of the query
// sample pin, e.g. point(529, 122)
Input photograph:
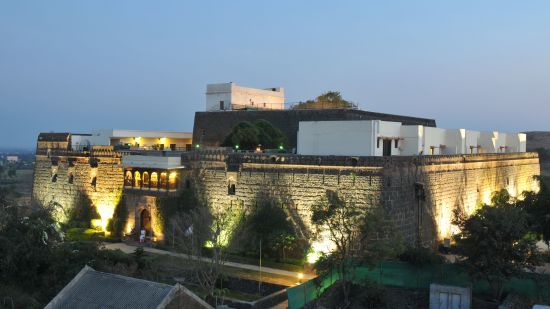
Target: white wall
point(360, 138)
point(472, 141)
point(343, 138)
point(232, 94)
point(412, 142)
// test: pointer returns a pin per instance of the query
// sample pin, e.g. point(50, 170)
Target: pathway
point(126, 248)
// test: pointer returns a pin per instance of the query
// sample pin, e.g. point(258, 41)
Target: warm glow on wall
point(162, 140)
point(318, 248)
point(105, 212)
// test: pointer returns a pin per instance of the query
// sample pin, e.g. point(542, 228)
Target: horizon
point(75, 67)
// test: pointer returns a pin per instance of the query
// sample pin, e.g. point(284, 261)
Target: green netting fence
point(405, 275)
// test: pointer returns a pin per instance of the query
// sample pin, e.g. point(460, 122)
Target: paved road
point(130, 249)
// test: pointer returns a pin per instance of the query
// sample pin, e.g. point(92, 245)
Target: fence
point(408, 276)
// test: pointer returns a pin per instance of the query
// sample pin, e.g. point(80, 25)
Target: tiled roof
point(94, 289)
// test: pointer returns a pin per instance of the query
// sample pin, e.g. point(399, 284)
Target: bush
point(421, 257)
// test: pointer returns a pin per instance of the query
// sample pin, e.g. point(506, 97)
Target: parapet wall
point(65, 178)
point(448, 182)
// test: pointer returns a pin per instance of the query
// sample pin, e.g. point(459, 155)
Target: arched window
point(71, 178)
point(128, 179)
point(145, 180)
point(172, 181)
point(163, 180)
point(154, 181)
point(137, 179)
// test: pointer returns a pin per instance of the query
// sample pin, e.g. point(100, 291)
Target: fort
point(418, 192)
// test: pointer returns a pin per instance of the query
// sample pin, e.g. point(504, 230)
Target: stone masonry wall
point(448, 182)
point(105, 195)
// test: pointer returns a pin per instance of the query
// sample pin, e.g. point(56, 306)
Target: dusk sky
point(72, 66)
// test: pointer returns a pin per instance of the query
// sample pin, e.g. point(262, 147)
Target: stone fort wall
point(64, 177)
point(448, 182)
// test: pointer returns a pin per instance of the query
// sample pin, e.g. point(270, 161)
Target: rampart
point(64, 177)
point(418, 193)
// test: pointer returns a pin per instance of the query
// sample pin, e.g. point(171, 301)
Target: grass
point(87, 234)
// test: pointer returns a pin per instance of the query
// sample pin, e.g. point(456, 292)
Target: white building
point(384, 138)
point(12, 159)
point(230, 96)
point(139, 139)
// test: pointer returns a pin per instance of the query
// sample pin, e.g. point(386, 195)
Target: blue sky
point(78, 65)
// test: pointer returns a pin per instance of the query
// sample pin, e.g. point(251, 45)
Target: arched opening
point(145, 180)
point(163, 180)
point(145, 223)
point(128, 179)
point(172, 181)
point(137, 179)
point(154, 180)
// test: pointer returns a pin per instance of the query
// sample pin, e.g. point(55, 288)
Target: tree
point(495, 243)
point(537, 207)
point(266, 222)
point(211, 227)
point(248, 135)
point(12, 172)
point(120, 215)
point(339, 220)
point(327, 100)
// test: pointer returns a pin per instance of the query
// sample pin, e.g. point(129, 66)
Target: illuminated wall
point(63, 179)
point(449, 182)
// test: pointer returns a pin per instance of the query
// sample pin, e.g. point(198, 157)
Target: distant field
point(22, 183)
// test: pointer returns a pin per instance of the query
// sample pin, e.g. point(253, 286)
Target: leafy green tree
point(120, 215)
point(248, 135)
point(537, 206)
point(266, 221)
point(82, 213)
point(495, 243)
point(340, 220)
point(327, 100)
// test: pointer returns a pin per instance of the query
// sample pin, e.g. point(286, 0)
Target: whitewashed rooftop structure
point(384, 138)
point(230, 96)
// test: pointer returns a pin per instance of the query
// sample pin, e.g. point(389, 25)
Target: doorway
point(386, 147)
point(145, 222)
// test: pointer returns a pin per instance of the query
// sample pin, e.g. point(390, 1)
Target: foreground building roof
point(94, 289)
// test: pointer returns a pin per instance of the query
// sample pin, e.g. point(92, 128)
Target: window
point(222, 105)
point(432, 150)
point(128, 179)
point(137, 179)
point(378, 142)
point(173, 147)
point(163, 180)
point(146, 179)
point(54, 177)
point(71, 178)
point(397, 143)
point(231, 189)
point(94, 182)
point(154, 181)
point(172, 181)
